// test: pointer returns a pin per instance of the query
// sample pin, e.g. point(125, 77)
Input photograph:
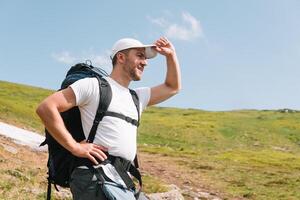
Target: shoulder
point(85, 85)
point(143, 94)
point(142, 91)
point(84, 89)
point(85, 82)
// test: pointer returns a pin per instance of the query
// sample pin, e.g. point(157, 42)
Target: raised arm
point(172, 83)
point(49, 112)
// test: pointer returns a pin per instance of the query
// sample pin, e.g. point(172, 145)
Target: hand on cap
point(164, 46)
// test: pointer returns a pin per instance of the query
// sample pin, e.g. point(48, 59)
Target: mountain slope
point(246, 154)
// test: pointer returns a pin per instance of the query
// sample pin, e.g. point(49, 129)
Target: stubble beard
point(134, 75)
point(132, 72)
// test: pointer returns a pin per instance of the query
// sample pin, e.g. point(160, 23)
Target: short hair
point(114, 60)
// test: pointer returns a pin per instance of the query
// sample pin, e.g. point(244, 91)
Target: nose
point(144, 62)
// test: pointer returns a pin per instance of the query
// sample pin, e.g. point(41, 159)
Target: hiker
point(114, 136)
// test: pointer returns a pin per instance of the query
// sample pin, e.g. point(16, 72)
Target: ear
point(121, 57)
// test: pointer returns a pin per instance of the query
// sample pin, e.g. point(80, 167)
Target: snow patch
point(23, 137)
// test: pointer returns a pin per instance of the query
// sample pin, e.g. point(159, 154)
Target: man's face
point(135, 63)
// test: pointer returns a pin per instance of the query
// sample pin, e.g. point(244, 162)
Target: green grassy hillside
point(249, 154)
point(18, 103)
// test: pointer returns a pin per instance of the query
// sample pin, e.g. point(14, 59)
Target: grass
point(18, 103)
point(250, 154)
point(21, 173)
point(153, 184)
point(19, 179)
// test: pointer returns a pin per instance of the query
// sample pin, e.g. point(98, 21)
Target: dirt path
point(170, 172)
point(163, 167)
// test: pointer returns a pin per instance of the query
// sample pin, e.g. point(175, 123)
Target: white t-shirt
point(113, 133)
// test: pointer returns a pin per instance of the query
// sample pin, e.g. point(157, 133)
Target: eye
point(141, 55)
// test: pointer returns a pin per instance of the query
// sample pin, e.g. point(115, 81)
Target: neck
point(120, 78)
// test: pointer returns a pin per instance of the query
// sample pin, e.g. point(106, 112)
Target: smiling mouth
point(140, 68)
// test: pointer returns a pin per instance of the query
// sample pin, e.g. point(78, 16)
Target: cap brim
point(149, 51)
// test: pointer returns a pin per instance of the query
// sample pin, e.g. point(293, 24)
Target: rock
point(284, 149)
point(173, 194)
point(199, 194)
point(287, 110)
point(63, 193)
point(10, 149)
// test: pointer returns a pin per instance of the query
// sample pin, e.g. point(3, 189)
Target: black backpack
point(60, 161)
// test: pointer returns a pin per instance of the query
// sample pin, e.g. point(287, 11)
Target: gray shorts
point(85, 186)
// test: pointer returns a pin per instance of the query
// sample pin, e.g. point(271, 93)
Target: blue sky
point(233, 54)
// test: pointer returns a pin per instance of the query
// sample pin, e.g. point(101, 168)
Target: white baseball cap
point(128, 43)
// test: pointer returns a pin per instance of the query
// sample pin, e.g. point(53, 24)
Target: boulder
point(173, 194)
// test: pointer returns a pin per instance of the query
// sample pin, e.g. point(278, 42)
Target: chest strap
point(121, 116)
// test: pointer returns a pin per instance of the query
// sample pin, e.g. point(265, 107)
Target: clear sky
point(233, 54)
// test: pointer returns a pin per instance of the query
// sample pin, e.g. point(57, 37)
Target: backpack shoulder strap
point(127, 118)
point(136, 101)
point(104, 101)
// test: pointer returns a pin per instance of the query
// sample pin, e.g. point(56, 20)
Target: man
point(115, 136)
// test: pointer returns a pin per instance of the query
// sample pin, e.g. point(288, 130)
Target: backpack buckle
point(128, 119)
point(96, 122)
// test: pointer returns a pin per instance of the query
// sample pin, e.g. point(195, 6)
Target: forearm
point(172, 83)
point(55, 125)
point(49, 112)
point(173, 76)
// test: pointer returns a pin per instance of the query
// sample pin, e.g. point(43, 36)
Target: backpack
point(60, 161)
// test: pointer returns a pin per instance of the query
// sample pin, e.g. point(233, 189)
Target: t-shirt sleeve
point(83, 89)
point(144, 96)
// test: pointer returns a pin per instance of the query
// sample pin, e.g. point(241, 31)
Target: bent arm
point(49, 112)
point(172, 83)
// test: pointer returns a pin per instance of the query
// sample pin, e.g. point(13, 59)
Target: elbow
point(176, 90)
point(39, 110)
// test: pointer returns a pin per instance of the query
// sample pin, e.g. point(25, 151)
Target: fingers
point(163, 41)
point(91, 158)
point(164, 46)
point(159, 44)
point(98, 152)
point(91, 151)
point(101, 147)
